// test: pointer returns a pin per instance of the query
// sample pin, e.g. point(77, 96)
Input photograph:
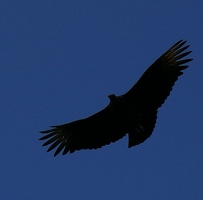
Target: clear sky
point(60, 60)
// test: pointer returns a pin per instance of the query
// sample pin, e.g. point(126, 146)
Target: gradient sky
point(60, 60)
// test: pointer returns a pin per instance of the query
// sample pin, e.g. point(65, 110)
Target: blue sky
point(60, 60)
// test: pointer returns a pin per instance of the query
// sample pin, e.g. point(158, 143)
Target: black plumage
point(133, 113)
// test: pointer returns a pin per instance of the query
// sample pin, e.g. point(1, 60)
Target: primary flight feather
point(133, 113)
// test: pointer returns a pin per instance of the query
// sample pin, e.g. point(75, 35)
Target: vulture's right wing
point(93, 132)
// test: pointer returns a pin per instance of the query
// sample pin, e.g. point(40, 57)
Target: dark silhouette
point(133, 113)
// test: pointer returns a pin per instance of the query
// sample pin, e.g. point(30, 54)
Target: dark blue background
point(58, 62)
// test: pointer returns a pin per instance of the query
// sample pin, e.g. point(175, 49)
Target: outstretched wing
point(154, 86)
point(93, 132)
point(152, 89)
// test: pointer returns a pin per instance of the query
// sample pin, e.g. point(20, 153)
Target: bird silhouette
point(133, 113)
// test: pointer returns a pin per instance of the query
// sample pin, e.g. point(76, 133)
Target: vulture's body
point(133, 113)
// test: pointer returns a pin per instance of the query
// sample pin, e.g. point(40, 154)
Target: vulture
point(133, 113)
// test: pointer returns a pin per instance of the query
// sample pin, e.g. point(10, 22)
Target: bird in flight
point(133, 113)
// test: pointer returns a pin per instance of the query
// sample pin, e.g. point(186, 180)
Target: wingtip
point(48, 130)
point(182, 42)
point(45, 131)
